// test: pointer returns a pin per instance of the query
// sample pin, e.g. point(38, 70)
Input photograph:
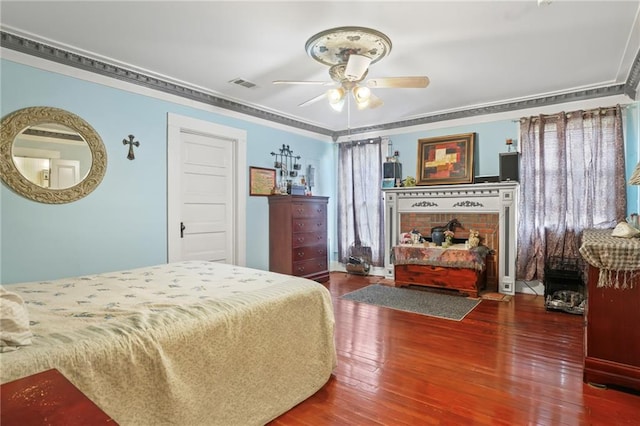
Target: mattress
point(196, 343)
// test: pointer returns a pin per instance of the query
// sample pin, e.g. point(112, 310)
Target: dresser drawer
point(308, 225)
point(307, 253)
point(302, 210)
point(304, 239)
point(308, 267)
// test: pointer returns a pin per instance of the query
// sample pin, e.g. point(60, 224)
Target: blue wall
point(632, 154)
point(122, 224)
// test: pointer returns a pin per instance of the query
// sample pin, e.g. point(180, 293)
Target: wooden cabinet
point(612, 341)
point(298, 236)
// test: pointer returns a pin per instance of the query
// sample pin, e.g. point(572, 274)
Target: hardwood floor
point(505, 363)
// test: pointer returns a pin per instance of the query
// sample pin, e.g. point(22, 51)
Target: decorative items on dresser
point(298, 236)
point(612, 340)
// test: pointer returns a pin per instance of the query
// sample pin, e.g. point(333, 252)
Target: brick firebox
point(486, 223)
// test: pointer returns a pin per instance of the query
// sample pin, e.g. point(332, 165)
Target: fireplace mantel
point(500, 198)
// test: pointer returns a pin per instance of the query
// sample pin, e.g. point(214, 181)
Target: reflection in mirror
point(51, 156)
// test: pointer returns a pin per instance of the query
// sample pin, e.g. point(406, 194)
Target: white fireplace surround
point(500, 198)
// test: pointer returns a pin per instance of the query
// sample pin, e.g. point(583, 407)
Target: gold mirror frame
point(16, 122)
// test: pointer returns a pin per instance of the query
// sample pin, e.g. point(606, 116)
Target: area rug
point(412, 300)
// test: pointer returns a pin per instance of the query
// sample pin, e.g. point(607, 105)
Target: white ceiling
point(475, 53)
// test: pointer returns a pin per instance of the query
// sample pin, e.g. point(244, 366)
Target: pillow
point(624, 230)
point(14, 322)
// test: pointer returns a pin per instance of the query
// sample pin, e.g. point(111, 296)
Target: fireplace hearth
point(490, 208)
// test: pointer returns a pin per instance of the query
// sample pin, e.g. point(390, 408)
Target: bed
point(455, 268)
point(189, 343)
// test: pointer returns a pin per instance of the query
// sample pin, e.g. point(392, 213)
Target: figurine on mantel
point(448, 238)
point(416, 237)
point(474, 238)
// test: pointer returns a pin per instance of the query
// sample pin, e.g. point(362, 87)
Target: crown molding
point(631, 85)
point(42, 50)
point(580, 95)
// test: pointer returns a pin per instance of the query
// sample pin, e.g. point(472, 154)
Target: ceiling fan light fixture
point(356, 67)
point(336, 98)
point(349, 51)
point(335, 95)
point(362, 95)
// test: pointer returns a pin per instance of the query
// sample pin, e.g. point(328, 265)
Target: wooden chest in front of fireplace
point(468, 281)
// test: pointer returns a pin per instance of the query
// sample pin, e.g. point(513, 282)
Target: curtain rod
point(366, 140)
point(600, 110)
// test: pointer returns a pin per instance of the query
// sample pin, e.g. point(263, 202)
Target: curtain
point(572, 178)
point(360, 204)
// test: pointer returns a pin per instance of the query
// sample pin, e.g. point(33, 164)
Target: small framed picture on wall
point(261, 181)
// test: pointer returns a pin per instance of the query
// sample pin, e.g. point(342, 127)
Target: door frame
point(178, 124)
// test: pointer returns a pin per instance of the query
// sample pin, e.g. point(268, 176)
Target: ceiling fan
point(349, 51)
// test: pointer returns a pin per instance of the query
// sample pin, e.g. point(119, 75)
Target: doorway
point(206, 191)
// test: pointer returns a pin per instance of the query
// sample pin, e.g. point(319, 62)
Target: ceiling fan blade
point(318, 83)
point(313, 100)
point(399, 82)
point(356, 67)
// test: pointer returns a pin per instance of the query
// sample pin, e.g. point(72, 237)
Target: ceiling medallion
point(334, 46)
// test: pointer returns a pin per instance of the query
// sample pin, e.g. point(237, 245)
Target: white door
point(206, 218)
point(64, 173)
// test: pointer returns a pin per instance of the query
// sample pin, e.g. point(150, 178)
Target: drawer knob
point(300, 254)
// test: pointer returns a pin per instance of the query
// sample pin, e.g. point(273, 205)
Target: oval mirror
point(50, 155)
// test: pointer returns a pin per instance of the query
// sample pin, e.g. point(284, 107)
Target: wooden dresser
point(612, 335)
point(298, 236)
point(612, 341)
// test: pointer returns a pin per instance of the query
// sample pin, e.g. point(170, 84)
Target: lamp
point(635, 176)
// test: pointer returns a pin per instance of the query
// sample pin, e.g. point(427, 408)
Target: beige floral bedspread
point(195, 343)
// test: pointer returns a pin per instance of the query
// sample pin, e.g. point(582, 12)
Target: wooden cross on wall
point(131, 143)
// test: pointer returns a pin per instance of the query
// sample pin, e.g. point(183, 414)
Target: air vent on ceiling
point(243, 83)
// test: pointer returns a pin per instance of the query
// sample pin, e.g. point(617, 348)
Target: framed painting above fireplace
point(446, 160)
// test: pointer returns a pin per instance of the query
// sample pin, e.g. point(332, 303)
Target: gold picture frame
point(445, 160)
point(261, 181)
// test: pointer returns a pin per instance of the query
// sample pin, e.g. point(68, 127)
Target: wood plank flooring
point(506, 363)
